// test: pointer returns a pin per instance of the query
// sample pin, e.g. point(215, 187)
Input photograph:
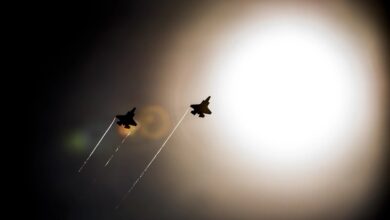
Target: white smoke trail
point(150, 163)
point(116, 149)
point(85, 162)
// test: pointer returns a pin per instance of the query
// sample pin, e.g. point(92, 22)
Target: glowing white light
point(292, 92)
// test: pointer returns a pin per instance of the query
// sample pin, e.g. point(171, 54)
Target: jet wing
point(207, 111)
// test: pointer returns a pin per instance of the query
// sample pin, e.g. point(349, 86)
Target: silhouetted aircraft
point(127, 119)
point(202, 108)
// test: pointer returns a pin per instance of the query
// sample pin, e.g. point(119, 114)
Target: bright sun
point(297, 92)
point(292, 91)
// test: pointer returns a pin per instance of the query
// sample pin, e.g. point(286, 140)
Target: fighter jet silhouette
point(127, 119)
point(202, 108)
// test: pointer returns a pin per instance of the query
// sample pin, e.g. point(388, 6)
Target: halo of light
point(154, 122)
point(293, 92)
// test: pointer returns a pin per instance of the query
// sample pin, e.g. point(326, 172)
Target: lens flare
point(154, 121)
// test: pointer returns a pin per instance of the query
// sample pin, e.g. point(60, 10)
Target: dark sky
point(68, 42)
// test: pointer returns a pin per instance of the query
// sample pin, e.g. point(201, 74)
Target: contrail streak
point(85, 162)
point(150, 163)
point(117, 148)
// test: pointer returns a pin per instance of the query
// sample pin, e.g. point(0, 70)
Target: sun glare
point(293, 93)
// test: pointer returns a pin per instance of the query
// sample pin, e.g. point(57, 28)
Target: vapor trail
point(85, 162)
point(150, 163)
point(117, 148)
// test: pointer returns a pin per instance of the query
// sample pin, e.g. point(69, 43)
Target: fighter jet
point(201, 108)
point(127, 119)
